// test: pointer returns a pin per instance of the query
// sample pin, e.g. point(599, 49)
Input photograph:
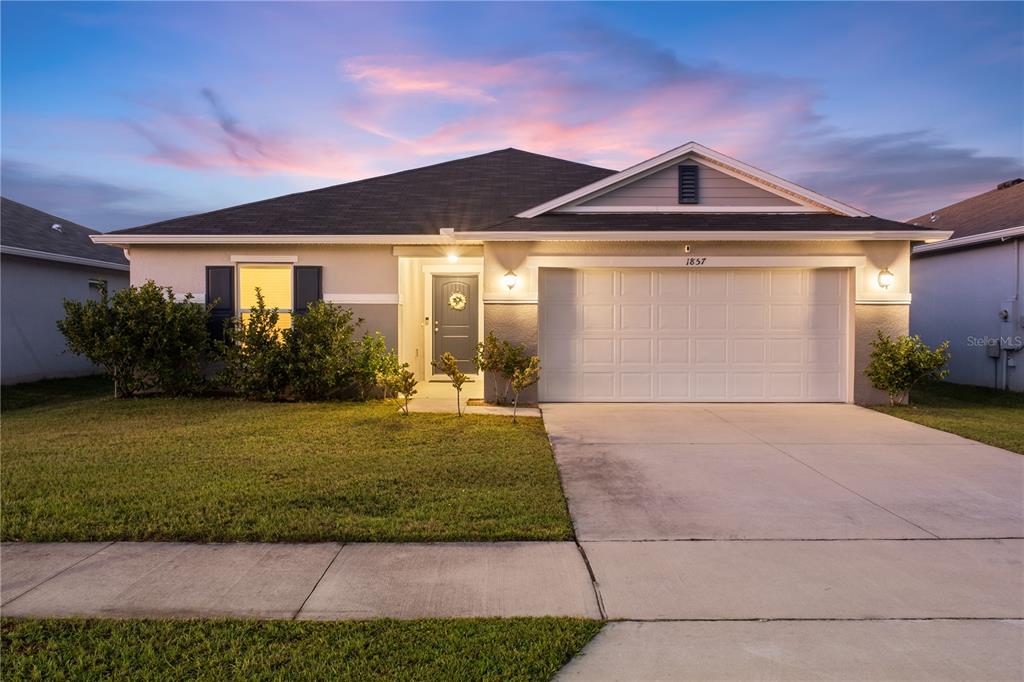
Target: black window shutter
point(308, 280)
point(220, 293)
point(689, 184)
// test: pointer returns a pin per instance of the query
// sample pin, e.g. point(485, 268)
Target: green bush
point(501, 359)
point(142, 337)
point(377, 367)
point(898, 364)
point(405, 387)
point(321, 353)
point(255, 359)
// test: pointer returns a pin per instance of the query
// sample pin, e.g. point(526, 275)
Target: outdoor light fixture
point(453, 257)
point(885, 278)
point(510, 279)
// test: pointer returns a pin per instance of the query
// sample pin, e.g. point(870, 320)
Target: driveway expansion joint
point(67, 568)
point(330, 563)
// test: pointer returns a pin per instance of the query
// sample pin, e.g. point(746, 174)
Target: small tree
point(523, 378)
point(405, 388)
point(255, 363)
point(320, 350)
point(898, 364)
point(488, 359)
point(142, 337)
point(449, 366)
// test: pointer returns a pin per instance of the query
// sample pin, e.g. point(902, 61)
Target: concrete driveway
point(792, 518)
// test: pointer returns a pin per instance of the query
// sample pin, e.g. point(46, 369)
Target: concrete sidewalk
point(286, 581)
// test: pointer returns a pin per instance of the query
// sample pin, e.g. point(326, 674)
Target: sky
point(119, 114)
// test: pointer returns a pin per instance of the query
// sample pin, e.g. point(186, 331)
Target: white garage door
point(693, 335)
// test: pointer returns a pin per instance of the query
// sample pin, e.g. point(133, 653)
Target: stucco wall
point(509, 320)
point(347, 271)
point(33, 292)
point(957, 297)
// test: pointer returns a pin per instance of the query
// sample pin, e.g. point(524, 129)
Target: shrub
point(523, 378)
point(255, 360)
point(501, 359)
point(320, 352)
point(449, 366)
point(142, 337)
point(377, 367)
point(898, 364)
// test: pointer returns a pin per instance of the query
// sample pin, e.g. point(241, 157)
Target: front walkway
point(323, 581)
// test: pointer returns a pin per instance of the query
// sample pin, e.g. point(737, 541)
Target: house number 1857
point(695, 261)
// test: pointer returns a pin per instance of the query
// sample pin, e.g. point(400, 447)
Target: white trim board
point(695, 262)
point(708, 236)
point(143, 239)
point(726, 164)
point(265, 259)
point(363, 299)
point(994, 235)
point(899, 299)
point(62, 258)
point(688, 208)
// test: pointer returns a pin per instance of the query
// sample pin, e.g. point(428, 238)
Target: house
point(43, 260)
point(689, 277)
point(969, 289)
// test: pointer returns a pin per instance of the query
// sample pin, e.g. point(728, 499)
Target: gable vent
point(689, 183)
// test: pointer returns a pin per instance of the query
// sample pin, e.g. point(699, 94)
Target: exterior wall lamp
point(453, 257)
point(886, 278)
point(510, 279)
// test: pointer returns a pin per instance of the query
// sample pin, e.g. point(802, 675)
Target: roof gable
point(794, 198)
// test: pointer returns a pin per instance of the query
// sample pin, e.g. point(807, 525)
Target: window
point(274, 282)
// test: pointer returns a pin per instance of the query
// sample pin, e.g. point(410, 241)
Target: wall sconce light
point(510, 279)
point(886, 278)
point(453, 257)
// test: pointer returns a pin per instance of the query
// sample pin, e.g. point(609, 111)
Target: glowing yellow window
point(274, 282)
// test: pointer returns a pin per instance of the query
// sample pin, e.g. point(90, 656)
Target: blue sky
point(117, 114)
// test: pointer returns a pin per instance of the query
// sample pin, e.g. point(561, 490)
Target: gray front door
point(456, 318)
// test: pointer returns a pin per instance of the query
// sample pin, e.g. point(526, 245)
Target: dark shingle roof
point(23, 227)
point(461, 194)
point(708, 222)
point(993, 210)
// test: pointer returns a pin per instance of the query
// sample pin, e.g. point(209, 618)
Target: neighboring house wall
point(33, 293)
point(958, 295)
point(716, 188)
point(364, 278)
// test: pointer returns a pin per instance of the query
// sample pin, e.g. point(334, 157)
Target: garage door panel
point(636, 317)
point(747, 316)
point(700, 335)
point(674, 284)
point(636, 351)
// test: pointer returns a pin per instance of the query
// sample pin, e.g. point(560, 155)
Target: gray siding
point(377, 317)
point(33, 292)
point(716, 189)
point(958, 296)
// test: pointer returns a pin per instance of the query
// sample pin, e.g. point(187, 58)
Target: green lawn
point(981, 414)
point(78, 466)
point(491, 649)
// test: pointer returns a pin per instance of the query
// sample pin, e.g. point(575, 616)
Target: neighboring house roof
point(25, 231)
point(516, 191)
point(996, 209)
point(984, 218)
point(470, 192)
